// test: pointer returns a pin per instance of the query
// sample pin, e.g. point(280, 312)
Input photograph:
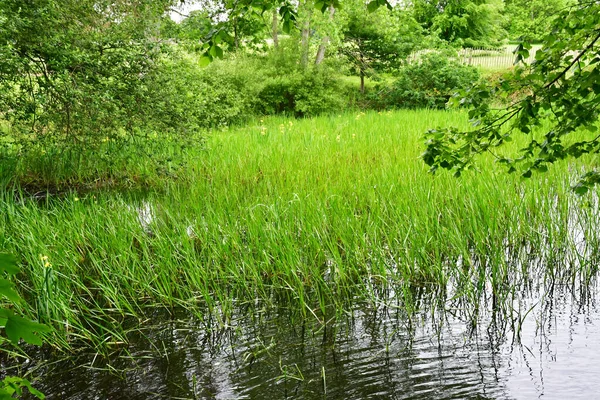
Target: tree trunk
point(305, 34)
point(362, 69)
point(324, 41)
point(362, 81)
point(321, 51)
point(275, 27)
point(236, 40)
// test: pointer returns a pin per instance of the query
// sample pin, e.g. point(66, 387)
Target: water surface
point(548, 348)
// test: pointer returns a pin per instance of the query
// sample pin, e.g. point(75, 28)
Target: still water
point(548, 348)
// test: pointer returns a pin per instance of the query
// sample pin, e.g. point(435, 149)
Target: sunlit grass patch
point(311, 214)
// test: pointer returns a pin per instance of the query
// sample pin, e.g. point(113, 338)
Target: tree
point(559, 102)
point(531, 18)
point(378, 41)
point(292, 15)
point(75, 70)
point(196, 26)
point(465, 22)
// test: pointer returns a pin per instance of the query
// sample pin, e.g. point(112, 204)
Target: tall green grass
point(307, 214)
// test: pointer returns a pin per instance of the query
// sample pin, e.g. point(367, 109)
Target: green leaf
point(19, 327)
point(580, 189)
point(6, 394)
point(4, 314)
point(373, 6)
point(287, 26)
point(225, 37)
point(215, 51)
point(13, 385)
point(204, 61)
point(7, 290)
point(8, 264)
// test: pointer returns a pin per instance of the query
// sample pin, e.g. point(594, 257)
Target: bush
point(218, 95)
point(289, 88)
point(426, 83)
point(301, 93)
point(232, 90)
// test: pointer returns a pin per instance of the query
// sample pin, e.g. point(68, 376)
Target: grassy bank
point(307, 213)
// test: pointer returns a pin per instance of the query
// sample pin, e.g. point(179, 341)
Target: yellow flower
point(47, 264)
point(43, 258)
point(76, 199)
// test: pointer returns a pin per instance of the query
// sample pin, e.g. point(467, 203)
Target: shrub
point(426, 83)
point(287, 87)
point(218, 95)
point(230, 91)
point(302, 93)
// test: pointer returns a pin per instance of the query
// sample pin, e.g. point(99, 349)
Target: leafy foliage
point(241, 20)
point(465, 22)
point(379, 41)
point(227, 33)
point(77, 71)
point(531, 19)
point(13, 386)
point(427, 83)
point(560, 94)
point(16, 328)
point(287, 87)
point(303, 93)
point(216, 96)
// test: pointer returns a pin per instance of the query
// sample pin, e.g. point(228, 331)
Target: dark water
point(549, 348)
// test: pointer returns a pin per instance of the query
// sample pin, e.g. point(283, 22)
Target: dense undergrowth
point(142, 139)
point(310, 214)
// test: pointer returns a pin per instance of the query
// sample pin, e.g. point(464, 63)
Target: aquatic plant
point(311, 215)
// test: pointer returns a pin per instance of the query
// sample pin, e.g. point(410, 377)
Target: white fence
point(488, 58)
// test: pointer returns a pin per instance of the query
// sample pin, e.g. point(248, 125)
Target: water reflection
point(549, 349)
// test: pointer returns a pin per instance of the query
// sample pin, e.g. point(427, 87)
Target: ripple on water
point(372, 355)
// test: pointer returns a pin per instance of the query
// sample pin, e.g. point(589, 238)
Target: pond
point(546, 348)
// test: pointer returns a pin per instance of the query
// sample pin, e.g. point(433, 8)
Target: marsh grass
point(45, 167)
point(312, 215)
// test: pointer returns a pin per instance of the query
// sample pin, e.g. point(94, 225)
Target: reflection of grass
point(307, 213)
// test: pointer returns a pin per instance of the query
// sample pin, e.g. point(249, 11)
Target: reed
point(312, 215)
